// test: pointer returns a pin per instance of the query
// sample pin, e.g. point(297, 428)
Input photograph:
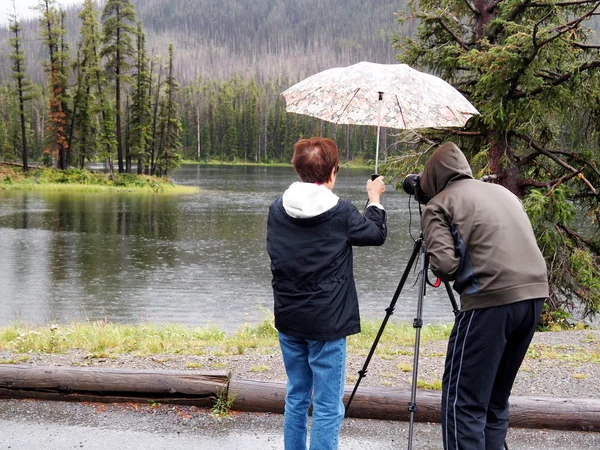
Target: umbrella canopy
point(387, 95)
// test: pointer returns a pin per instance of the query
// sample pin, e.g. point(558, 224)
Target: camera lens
point(410, 184)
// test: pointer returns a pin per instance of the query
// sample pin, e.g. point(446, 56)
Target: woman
point(310, 236)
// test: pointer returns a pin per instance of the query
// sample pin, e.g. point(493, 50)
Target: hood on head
point(446, 164)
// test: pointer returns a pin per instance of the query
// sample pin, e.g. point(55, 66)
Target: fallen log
point(392, 404)
point(202, 389)
point(112, 385)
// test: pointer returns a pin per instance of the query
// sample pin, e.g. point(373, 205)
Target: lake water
point(196, 259)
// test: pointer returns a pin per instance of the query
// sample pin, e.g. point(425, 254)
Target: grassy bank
point(110, 340)
point(76, 180)
point(101, 339)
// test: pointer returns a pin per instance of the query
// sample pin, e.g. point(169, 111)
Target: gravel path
point(564, 364)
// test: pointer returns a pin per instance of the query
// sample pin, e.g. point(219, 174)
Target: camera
point(412, 186)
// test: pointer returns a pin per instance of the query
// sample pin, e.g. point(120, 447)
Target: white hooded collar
point(305, 200)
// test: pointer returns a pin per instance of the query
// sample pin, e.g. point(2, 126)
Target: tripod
point(419, 247)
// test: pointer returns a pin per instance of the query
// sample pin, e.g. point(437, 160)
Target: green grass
point(101, 339)
point(397, 339)
point(108, 340)
point(573, 354)
point(403, 367)
point(435, 384)
point(81, 188)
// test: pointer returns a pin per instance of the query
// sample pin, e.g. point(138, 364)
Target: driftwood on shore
point(202, 389)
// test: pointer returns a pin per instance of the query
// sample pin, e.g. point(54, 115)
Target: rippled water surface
point(197, 259)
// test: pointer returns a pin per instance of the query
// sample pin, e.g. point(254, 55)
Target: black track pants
point(485, 350)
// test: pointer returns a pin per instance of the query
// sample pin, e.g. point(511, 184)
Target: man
point(479, 236)
point(310, 236)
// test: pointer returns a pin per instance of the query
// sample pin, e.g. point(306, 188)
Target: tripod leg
point(389, 311)
point(417, 324)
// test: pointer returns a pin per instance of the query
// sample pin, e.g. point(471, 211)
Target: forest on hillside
point(265, 39)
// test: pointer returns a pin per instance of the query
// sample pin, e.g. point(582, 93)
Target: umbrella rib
point(455, 116)
point(347, 105)
point(307, 94)
point(401, 113)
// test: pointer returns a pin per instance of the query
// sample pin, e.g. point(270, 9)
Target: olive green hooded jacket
point(478, 235)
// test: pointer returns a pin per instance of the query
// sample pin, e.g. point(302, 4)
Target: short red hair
point(314, 159)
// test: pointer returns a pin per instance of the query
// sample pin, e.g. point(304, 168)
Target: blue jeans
point(318, 366)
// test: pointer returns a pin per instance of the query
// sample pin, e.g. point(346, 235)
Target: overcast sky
point(24, 8)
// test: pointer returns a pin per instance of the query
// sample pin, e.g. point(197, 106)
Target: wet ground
point(31, 424)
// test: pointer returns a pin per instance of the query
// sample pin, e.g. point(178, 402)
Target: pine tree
point(154, 95)
point(23, 85)
point(531, 70)
point(89, 85)
point(12, 144)
point(119, 20)
point(51, 31)
point(95, 133)
point(3, 135)
point(141, 114)
point(64, 61)
point(169, 123)
point(252, 121)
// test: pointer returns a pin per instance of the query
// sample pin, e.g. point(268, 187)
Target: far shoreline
point(214, 162)
point(44, 179)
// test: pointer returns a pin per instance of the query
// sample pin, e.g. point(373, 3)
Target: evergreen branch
point(562, 4)
point(465, 133)
point(538, 184)
point(561, 180)
point(578, 237)
point(491, 34)
point(451, 33)
point(577, 158)
point(517, 11)
point(546, 152)
point(558, 81)
point(537, 46)
point(569, 26)
point(577, 21)
point(527, 159)
point(529, 59)
point(586, 46)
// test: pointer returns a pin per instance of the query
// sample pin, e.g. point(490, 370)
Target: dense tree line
point(107, 97)
point(244, 120)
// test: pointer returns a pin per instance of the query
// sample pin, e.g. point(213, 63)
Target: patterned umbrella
point(388, 95)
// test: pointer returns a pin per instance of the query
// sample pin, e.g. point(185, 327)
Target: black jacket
point(311, 261)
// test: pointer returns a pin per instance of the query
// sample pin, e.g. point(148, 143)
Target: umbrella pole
point(377, 151)
point(375, 175)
